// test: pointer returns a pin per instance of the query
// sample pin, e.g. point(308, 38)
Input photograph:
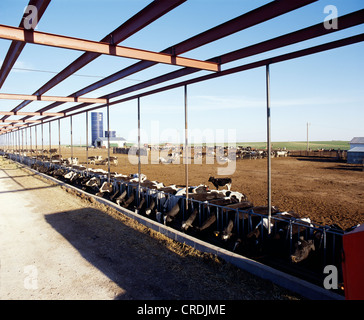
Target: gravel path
point(55, 245)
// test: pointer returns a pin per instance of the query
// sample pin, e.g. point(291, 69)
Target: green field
point(289, 145)
point(299, 145)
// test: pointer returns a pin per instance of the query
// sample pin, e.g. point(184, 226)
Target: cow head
point(303, 249)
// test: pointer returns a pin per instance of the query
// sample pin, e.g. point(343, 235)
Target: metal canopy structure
point(108, 46)
point(20, 36)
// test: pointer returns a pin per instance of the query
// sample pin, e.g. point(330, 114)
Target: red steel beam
point(244, 21)
point(10, 96)
point(16, 47)
point(49, 114)
point(2, 122)
point(249, 66)
point(346, 21)
point(150, 13)
point(53, 40)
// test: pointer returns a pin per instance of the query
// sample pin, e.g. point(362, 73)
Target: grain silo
point(97, 126)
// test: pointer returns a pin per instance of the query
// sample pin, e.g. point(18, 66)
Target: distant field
point(300, 145)
point(289, 145)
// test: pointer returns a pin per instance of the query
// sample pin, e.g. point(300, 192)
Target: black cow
point(221, 182)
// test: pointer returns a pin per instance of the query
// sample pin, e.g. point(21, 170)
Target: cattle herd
point(218, 215)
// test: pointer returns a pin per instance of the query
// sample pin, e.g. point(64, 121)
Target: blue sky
point(325, 89)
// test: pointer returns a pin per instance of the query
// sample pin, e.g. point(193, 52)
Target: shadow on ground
point(146, 269)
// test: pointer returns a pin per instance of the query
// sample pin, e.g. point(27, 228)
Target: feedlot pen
point(20, 120)
point(212, 221)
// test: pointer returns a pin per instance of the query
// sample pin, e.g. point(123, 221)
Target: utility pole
point(308, 147)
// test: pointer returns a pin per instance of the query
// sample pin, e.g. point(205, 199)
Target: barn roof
point(357, 140)
point(111, 139)
point(357, 149)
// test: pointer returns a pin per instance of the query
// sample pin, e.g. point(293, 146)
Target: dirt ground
point(324, 190)
point(56, 245)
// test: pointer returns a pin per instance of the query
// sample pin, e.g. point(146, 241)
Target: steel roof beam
point(53, 40)
point(2, 122)
point(346, 21)
point(280, 58)
point(10, 96)
point(150, 13)
point(48, 114)
point(16, 47)
point(244, 21)
point(249, 66)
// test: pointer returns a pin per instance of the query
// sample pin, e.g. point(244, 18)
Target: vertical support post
point(308, 146)
point(19, 143)
point(86, 143)
point(36, 142)
point(186, 147)
point(42, 142)
point(59, 139)
point(71, 141)
point(269, 150)
point(22, 145)
point(31, 142)
point(26, 141)
point(139, 163)
point(108, 140)
point(50, 143)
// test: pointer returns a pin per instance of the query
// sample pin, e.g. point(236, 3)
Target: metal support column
point(36, 142)
point(59, 139)
point(19, 143)
point(269, 150)
point(139, 163)
point(26, 141)
point(31, 142)
point(71, 141)
point(86, 143)
point(186, 148)
point(50, 142)
point(22, 145)
point(42, 142)
point(108, 140)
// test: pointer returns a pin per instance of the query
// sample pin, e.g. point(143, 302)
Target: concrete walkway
point(55, 245)
point(36, 261)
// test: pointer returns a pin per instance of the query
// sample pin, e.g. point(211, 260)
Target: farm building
point(357, 142)
point(356, 152)
point(114, 142)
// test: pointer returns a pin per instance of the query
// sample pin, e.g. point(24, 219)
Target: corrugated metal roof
point(357, 140)
point(356, 149)
point(112, 139)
